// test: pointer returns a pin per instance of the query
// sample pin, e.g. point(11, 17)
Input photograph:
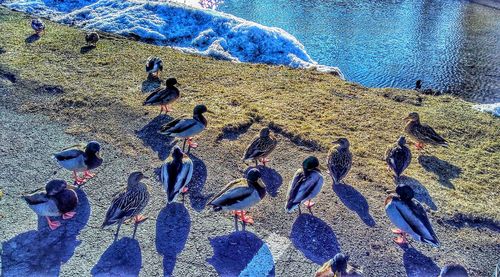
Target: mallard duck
point(305, 185)
point(57, 200)
point(239, 195)
point(398, 157)
point(176, 173)
point(38, 26)
point(339, 160)
point(154, 66)
point(409, 216)
point(129, 203)
point(186, 128)
point(80, 158)
point(337, 267)
point(164, 97)
point(422, 133)
point(260, 147)
point(454, 270)
point(92, 38)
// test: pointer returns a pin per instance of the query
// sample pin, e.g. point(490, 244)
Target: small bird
point(305, 185)
point(129, 203)
point(260, 147)
point(57, 200)
point(409, 216)
point(337, 267)
point(176, 173)
point(92, 38)
point(398, 157)
point(80, 158)
point(422, 133)
point(454, 270)
point(339, 160)
point(418, 85)
point(38, 26)
point(186, 128)
point(154, 66)
point(164, 97)
point(239, 195)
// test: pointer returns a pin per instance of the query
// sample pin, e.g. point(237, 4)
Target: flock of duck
point(403, 210)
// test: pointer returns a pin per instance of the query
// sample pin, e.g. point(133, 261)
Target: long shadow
point(122, 258)
point(271, 178)
point(241, 254)
point(149, 86)
point(41, 252)
point(32, 38)
point(421, 192)
point(417, 264)
point(196, 197)
point(86, 49)
point(172, 229)
point(314, 238)
point(354, 201)
point(443, 169)
point(150, 136)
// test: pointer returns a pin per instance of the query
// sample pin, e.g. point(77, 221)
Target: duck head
point(171, 82)
point(200, 109)
point(264, 132)
point(401, 141)
point(405, 192)
point(311, 163)
point(412, 117)
point(55, 186)
point(177, 153)
point(93, 147)
point(343, 142)
point(253, 175)
point(135, 177)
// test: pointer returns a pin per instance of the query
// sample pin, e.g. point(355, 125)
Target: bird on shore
point(240, 195)
point(422, 133)
point(164, 97)
point(154, 66)
point(59, 199)
point(337, 267)
point(176, 174)
point(409, 216)
point(398, 157)
point(187, 128)
point(454, 270)
point(80, 158)
point(305, 185)
point(260, 147)
point(339, 160)
point(92, 38)
point(128, 203)
point(38, 26)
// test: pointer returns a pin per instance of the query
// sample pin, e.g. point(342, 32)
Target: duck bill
point(97, 155)
point(406, 118)
point(210, 112)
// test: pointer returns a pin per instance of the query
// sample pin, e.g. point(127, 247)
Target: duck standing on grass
point(409, 216)
point(176, 174)
point(422, 133)
point(57, 200)
point(305, 185)
point(240, 195)
point(398, 157)
point(187, 128)
point(164, 97)
point(129, 203)
point(38, 26)
point(80, 158)
point(260, 147)
point(337, 267)
point(154, 66)
point(92, 38)
point(339, 160)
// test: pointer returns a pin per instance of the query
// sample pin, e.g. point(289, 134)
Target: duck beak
point(210, 112)
point(406, 118)
point(322, 168)
point(69, 186)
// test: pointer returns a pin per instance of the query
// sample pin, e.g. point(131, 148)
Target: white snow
point(187, 27)
point(494, 109)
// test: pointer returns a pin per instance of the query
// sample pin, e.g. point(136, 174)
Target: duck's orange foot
point(247, 219)
point(88, 175)
point(53, 224)
point(397, 231)
point(264, 161)
point(184, 190)
point(419, 146)
point(168, 109)
point(400, 241)
point(68, 215)
point(191, 143)
point(309, 204)
point(139, 219)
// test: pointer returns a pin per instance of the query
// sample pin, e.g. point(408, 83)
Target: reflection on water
point(452, 45)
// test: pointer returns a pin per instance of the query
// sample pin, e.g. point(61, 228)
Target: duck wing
point(71, 152)
point(234, 192)
point(428, 134)
point(181, 126)
point(339, 163)
point(428, 235)
point(303, 188)
point(42, 204)
point(398, 158)
point(259, 147)
point(125, 205)
point(175, 176)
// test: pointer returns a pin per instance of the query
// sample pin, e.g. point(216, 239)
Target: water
point(452, 45)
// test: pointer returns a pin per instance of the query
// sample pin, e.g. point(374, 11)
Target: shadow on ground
point(149, 85)
point(122, 258)
point(151, 138)
point(241, 254)
point(354, 201)
point(196, 198)
point(443, 169)
point(41, 252)
point(271, 178)
point(417, 264)
point(32, 38)
point(86, 49)
point(421, 192)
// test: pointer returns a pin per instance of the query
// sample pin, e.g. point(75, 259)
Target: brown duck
point(260, 147)
point(422, 133)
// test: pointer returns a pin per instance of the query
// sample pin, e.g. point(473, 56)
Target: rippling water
point(452, 45)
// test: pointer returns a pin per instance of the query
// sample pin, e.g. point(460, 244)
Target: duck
point(410, 217)
point(305, 185)
point(164, 97)
point(260, 147)
point(38, 26)
point(240, 195)
point(92, 38)
point(339, 160)
point(176, 173)
point(58, 199)
point(80, 158)
point(128, 203)
point(454, 270)
point(187, 128)
point(398, 157)
point(154, 66)
point(422, 133)
point(338, 266)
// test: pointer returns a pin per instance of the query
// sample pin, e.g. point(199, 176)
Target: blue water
point(452, 45)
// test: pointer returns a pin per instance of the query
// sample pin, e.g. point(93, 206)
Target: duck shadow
point(172, 230)
point(41, 252)
point(271, 178)
point(196, 198)
point(241, 254)
point(314, 238)
point(443, 169)
point(421, 192)
point(32, 38)
point(354, 201)
point(150, 85)
point(417, 264)
point(86, 49)
point(151, 138)
point(122, 258)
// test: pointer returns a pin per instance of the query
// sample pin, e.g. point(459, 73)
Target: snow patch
point(494, 109)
